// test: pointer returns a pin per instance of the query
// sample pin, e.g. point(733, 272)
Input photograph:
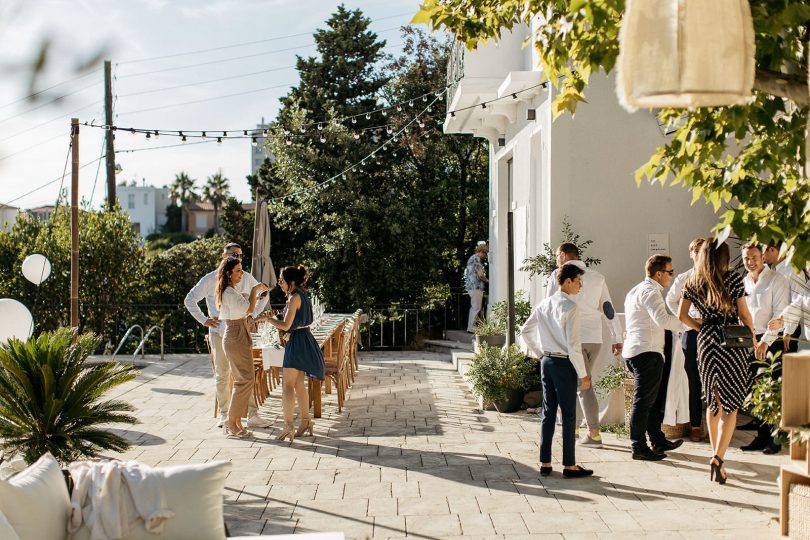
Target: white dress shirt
point(554, 327)
point(646, 319)
point(234, 305)
point(767, 298)
point(675, 294)
point(799, 285)
point(591, 299)
point(205, 289)
point(797, 312)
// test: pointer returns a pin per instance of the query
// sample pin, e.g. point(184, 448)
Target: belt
point(555, 355)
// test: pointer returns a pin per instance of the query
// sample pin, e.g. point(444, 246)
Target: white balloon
point(15, 321)
point(36, 268)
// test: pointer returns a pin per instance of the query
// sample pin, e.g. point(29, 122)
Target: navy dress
point(302, 351)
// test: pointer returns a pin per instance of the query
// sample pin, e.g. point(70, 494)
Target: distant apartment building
point(8, 216)
point(259, 151)
point(146, 206)
point(198, 217)
point(42, 213)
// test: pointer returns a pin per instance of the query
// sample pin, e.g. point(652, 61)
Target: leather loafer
point(545, 471)
point(772, 449)
point(648, 455)
point(579, 472)
point(696, 435)
point(667, 446)
point(756, 445)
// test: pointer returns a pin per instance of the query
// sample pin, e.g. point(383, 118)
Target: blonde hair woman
point(236, 342)
point(719, 295)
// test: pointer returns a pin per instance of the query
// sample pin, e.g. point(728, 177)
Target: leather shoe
point(579, 472)
point(753, 425)
point(666, 446)
point(696, 435)
point(772, 449)
point(648, 455)
point(755, 445)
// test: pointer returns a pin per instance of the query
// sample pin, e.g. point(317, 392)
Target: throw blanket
point(676, 408)
point(109, 497)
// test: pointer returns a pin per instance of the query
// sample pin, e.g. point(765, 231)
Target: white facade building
point(8, 216)
point(146, 206)
point(581, 167)
point(259, 151)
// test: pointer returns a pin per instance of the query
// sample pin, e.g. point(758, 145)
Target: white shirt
point(646, 318)
point(767, 298)
point(798, 312)
point(205, 289)
point(554, 327)
point(798, 285)
point(676, 292)
point(591, 300)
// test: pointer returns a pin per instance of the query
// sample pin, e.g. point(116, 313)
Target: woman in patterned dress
point(302, 354)
point(719, 296)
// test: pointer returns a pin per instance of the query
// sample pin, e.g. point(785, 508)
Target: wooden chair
point(331, 351)
point(339, 371)
point(260, 390)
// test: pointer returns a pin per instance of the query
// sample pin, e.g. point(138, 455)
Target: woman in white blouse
point(233, 310)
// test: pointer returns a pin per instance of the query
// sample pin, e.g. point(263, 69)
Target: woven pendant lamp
point(685, 53)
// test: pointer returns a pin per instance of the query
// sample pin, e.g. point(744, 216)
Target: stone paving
point(412, 456)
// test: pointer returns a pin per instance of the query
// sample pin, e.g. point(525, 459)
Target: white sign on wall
point(657, 244)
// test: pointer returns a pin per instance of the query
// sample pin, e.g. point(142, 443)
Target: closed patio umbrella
point(262, 268)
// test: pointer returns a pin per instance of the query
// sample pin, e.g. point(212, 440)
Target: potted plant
point(501, 376)
point(617, 376)
point(489, 331)
point(52, 401)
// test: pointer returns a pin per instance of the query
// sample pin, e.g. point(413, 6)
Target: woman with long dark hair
point(302, 354)
point(719, 295)
point(234, 310)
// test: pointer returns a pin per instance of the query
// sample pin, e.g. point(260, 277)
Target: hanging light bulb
point(430, 109)
point(320, 126)
point(424, 99)
point(368, 116)
point(354, 120)
point(421, 124)
point(244, 133)
point(410, 103)
point(385, 112)
point(203, 135)
point(157, 134)
point(265, 132)
point(183, 139)
point(224, 133)
point(219, 140)
point(356, 136)
point(148, 137)
point(254, 142)
point(288, 141)
point(303, 130)
point(399, 108)
point(388, 130)
point(323, 139)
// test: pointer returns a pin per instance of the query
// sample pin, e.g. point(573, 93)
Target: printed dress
point(302, 351)
point(723, 371)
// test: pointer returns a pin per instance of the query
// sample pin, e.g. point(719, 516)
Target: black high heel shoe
point(717, 470)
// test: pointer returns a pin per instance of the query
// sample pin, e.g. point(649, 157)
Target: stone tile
point(422, 506)
point(432, 526)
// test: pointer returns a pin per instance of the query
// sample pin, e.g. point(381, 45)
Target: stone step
point(446, 346)
point(458, 335)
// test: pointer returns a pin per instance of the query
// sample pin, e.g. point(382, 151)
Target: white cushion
point(35, 501)
point(195, 494)
point(6, 531)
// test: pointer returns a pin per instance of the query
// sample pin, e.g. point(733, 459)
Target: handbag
point(737, 336)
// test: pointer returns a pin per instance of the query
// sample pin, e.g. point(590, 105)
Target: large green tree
point(748, 159)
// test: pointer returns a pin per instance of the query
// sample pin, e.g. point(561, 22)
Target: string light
point(254, 142)
point(219, 140)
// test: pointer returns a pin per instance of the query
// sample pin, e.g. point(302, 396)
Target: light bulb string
point(352, 167)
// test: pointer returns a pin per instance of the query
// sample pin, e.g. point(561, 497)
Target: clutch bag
point(737, 336)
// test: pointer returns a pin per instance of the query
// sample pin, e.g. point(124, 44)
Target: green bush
point(494, 372)
point(523, 309)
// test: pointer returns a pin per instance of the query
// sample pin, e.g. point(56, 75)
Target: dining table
point(326, 330)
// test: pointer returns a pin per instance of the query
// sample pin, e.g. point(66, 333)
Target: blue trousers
point(689, 346)
point(559, 390)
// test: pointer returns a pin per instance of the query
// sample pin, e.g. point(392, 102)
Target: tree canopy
point(748, 159)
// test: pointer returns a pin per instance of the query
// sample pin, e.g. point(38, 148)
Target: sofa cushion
point(6, 530)
point(195, 494)
point(36, 502)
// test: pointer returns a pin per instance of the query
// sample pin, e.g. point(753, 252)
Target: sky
point(154, 83)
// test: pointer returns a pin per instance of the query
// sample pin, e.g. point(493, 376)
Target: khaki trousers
point(222, 377)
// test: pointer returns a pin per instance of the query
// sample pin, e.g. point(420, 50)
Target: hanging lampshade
point(685, 53)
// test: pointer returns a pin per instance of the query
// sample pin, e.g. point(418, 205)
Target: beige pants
point(222, 377)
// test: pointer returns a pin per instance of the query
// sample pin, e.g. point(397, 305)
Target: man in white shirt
point(799, 284)
point(768, 296)
point(552, 333)
point(689, 345)
point(595, 304)
point(205, 289)
point(647, 319)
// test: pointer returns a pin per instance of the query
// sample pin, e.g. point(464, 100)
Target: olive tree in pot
point(52, 401)
point(501, 376)
point(489, 331)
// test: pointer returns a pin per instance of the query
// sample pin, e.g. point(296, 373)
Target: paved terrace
point(412, 456)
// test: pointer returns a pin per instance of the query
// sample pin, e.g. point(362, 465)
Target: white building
point(259, 151)
point(146, 206)
point(581, 167)
point(8, 216)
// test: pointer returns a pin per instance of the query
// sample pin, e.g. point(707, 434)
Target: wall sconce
point(531, 114)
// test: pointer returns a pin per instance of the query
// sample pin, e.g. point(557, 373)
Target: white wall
point(8, 216)
point(150, 205)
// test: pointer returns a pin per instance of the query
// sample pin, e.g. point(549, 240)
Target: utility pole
point(74, 225)
point(109, 149)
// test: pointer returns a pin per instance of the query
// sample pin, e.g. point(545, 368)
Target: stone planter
point(497, 340)
point(512, 403)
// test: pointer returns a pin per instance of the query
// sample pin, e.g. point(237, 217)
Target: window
point(131, 201)
point(145, 199)
point(200, 221)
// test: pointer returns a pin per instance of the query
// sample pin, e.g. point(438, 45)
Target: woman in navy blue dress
point(302, 354)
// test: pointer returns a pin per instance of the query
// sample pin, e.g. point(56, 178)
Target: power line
point(32, 146)
point(244, 43)
point(60, 117)
point(204, 82)
point(29, 96)
point(54, 100)
point(161, 147)
point(205, 100)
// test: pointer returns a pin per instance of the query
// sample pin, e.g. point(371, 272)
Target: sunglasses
point(236, 255)
point(670, 272)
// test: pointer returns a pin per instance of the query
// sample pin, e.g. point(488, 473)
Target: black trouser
point(793, 345)
point(764, 430)
point(645, 416)
point(689, 346)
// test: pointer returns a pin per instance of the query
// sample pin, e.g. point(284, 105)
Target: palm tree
point(51, 401)
point(182, 189)
point(216, 191)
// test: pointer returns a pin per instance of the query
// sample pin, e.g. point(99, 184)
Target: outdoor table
point(323, 330)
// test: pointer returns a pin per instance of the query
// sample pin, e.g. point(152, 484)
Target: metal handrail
point(126, 335)
point(142, 345)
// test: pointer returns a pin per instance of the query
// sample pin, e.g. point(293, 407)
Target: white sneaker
point(221, 420)
point(587, 440)
point(257, 421)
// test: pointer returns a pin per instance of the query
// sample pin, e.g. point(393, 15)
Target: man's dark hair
point(569, 248)
point(656, 263)
point(230, 247)
point(753, 245)
point(568, 271)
